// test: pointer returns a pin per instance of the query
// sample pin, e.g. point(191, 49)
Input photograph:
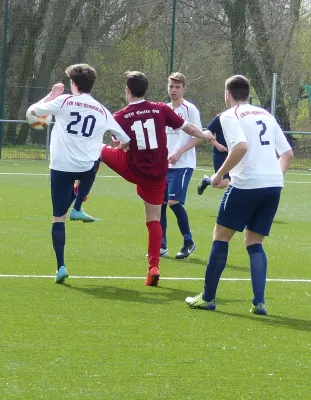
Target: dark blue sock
point(163, 222)
point(216, 264)
point(183, 222)
point(73, 197)
point(59, 239)
point(84, 189)
point(258, 261)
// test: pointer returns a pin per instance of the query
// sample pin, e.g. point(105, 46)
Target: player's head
point(176, 86)
point(82, 76)
point(236, 90)
point(136, 85)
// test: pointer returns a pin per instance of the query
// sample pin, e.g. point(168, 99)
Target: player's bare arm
point(176, 156)
point(192, 130)
point(56, 91)
point(214, 142)
point(285, 160)
point(234, 157)
point(219, 146)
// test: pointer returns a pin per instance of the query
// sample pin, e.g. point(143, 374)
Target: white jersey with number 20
point(259, 167)
point(77, 136)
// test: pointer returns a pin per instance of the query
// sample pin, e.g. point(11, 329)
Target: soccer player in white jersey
point(76, 143)
point(182, 162)
point(254, 140)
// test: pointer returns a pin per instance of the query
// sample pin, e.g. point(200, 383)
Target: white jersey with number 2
point(259, 167)
point(77, 136)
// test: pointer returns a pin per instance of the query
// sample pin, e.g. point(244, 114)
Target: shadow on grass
point(237, 267)
point(153, 295)
point(199, 261)
point(274, 320)
point(279, 222)
point(191, 260)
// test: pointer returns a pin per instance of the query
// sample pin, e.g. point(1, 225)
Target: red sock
point(154, 243)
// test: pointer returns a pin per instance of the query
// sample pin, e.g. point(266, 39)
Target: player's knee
point(251, 238)
point(153, 212)
point(172, 202)
point(222, 233)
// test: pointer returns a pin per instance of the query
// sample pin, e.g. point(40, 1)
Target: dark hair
point(83, 75)
point(137, 82)
point(238, 86)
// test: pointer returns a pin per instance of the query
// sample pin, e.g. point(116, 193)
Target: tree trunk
point(27, 62)
point(21, 139)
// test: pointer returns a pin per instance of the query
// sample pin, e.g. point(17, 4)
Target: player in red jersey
point(145, 163)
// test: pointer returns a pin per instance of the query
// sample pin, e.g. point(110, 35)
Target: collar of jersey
point(136, 102)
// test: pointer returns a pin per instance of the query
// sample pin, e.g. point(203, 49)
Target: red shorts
point(150, 191)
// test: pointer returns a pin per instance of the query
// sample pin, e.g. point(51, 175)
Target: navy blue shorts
point(177, 184)
point(62, 184)
point(218, 159)
point(253, 209)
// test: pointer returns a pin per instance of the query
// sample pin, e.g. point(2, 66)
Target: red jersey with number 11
point(145, 122)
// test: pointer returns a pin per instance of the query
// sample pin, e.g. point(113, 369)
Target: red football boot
point(153, 277)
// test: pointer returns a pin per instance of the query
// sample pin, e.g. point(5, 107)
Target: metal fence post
point(173, 36)
point(47, 143)
point(273, 93)
point(3, 71)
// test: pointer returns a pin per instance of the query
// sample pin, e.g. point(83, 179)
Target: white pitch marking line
point(297, 182)
point(291, 172)
point(142, 277)
point(117, 176)
point(31, 174)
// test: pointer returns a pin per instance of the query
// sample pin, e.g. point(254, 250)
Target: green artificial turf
point(118, 339)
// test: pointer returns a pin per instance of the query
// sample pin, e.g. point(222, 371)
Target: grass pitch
point(113, 338)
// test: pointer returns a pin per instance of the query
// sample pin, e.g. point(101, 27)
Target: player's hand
point(123, 146)
point(219, 146)
point(216, 179)
point(174, 158)
point(57, 89)
point(209, 136)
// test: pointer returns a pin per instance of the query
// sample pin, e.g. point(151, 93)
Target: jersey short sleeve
point(173, 120)
point(194, 117)
point(281, 144)
point(113, 125)
point(52, 107)
point(232, 130)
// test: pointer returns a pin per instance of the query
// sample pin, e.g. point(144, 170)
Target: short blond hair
point(179, 77)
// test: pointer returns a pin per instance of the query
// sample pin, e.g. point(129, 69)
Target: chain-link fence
point(212, 40)
point(300, 141)
point(27, 150)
